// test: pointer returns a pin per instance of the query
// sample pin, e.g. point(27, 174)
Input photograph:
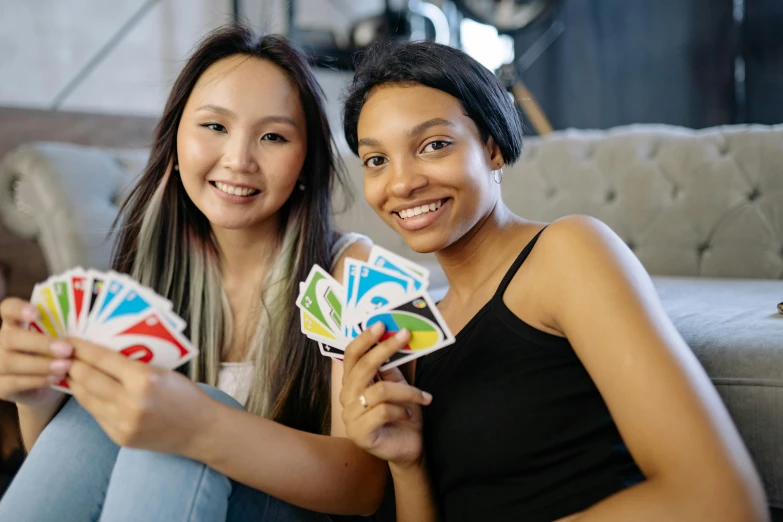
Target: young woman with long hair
point(230, 214)
point(568, 394)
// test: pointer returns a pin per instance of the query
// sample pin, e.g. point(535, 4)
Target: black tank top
point(517, 430)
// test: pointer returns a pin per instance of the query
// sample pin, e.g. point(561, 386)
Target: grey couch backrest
point(687, 202)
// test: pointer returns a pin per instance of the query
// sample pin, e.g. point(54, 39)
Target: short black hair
point(483, 96)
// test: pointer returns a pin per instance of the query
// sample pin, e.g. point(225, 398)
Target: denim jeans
point(75, 473)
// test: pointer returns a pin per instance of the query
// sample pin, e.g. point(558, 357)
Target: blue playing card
point(135, 300)
point(388, 264)
point(370, 288)
point(132, 303)
point(112, 285)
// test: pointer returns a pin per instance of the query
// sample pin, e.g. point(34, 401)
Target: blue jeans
point(76, 473)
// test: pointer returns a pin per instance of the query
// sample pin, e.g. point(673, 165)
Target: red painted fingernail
point(61, 349)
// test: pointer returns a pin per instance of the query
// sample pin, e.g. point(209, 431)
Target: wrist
point(407, 470)
point(199, 442)
point(40, 412)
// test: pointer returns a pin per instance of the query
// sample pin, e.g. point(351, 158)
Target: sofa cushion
point(734, 329)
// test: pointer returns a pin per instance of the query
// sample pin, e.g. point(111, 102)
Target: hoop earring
point(498, 175)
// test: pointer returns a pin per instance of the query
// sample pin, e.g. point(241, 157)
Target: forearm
point(655, 500)
point(413, 494)
point(32, 421)
point(316, 472)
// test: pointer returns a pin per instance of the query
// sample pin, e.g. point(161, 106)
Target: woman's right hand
point(382, 416)
point(29, 361)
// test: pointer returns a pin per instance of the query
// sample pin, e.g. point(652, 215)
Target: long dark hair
point(441, 67)
point(166, 242)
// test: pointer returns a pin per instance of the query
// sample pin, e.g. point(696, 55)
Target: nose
point(239, 155)
point(405, 179)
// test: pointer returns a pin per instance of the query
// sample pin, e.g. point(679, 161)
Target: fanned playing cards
point(112, 310)
point(388, 289)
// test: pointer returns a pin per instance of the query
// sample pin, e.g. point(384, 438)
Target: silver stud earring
point(302, 186)
point(498, 175)
point(176, 167)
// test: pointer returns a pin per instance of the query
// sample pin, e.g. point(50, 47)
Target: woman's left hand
point(137, 405)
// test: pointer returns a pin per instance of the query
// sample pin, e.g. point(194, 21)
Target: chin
point(228, 223)
point(425, 243)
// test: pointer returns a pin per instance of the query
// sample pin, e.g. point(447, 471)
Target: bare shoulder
point(576, 260)
point(579, 248)
point(359, 249)
point(578, 234)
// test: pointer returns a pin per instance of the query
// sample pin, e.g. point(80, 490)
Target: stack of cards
point(388, 289)
point(115, 311)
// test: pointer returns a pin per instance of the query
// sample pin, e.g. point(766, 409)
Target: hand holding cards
point(114, 311)
point(388, 289)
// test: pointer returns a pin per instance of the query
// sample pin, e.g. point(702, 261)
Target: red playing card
point(146, 337)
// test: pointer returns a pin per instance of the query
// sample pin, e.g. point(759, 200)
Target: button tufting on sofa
point(754, 194)
point(610, 196)
point(723, 146)
point(652, 152)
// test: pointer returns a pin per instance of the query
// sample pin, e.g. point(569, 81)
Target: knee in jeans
point(220, 396)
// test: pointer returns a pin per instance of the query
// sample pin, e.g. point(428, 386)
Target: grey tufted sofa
point(703, 211)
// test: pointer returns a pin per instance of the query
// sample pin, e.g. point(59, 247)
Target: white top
point(234, 377)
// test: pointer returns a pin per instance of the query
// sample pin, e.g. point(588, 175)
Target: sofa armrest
point(65, 197)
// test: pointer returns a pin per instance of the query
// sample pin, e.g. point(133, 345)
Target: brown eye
point(436, 145)
point(214, 127)
point(375, 161)
point(274, 137)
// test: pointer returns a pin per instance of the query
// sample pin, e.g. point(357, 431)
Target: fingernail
point(427, 397)
point(402, 334)
point(377, 328)
point(61, 349)
point(29, 313)
point(53, 379)
point(60, 366)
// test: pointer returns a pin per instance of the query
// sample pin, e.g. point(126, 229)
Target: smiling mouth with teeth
point(234, 191)
point(423, 209)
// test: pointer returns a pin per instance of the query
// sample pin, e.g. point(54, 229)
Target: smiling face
point(241, 142)
point(427, 172)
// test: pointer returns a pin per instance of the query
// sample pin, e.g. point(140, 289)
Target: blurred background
point(97, 72)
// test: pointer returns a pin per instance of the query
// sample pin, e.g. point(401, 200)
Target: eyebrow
point(231, 114)
point(434, 122)
point(418, 129)
point(217, 109)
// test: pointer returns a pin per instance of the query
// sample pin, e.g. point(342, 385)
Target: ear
point(496, 160)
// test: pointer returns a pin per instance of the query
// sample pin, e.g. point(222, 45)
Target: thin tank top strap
point(517, 263)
